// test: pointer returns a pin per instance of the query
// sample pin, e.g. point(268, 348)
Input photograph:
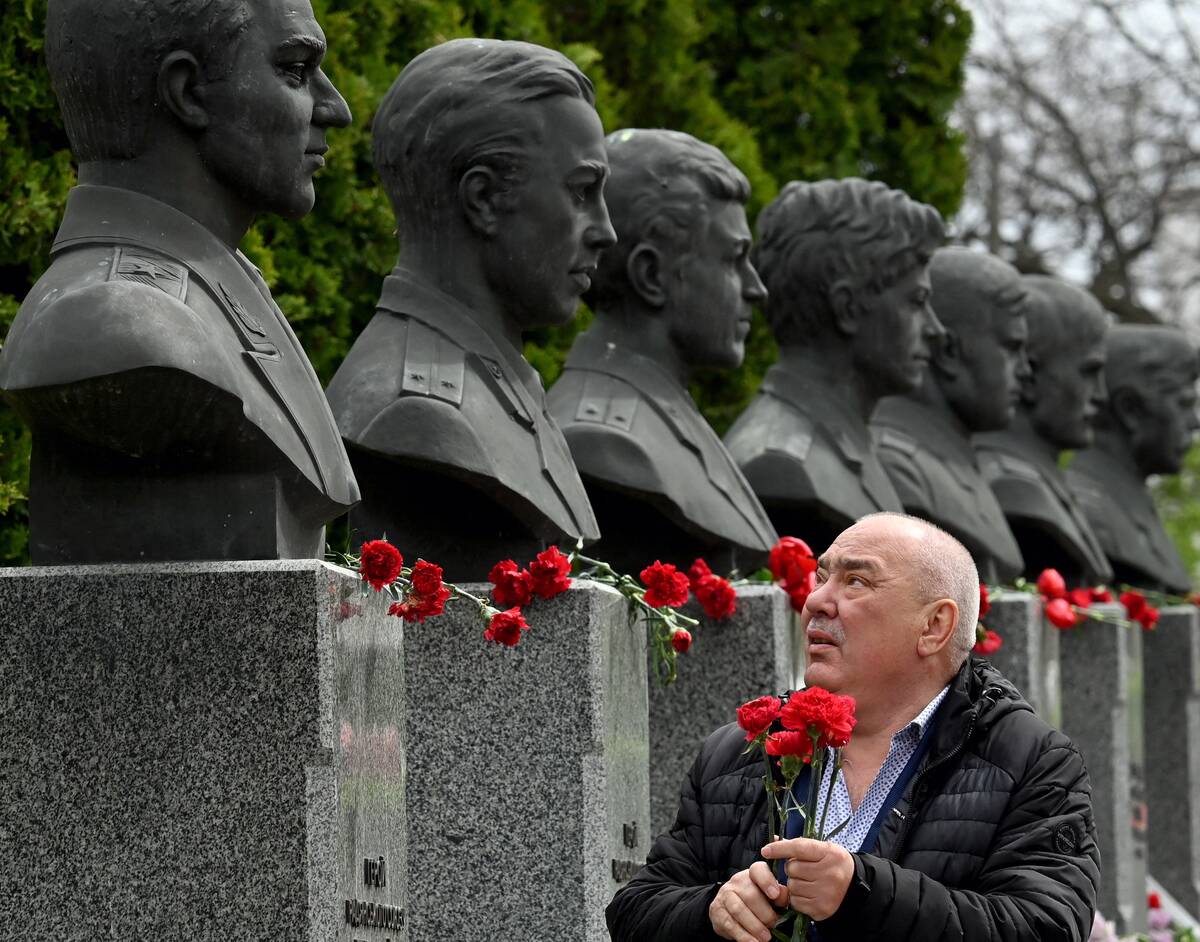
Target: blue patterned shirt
point(904, 744)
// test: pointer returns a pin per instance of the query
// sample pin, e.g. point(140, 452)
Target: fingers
point(797, 848)
point(765, 880)
point(742, 909)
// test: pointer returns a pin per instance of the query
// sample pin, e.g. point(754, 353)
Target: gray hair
point(943, 569)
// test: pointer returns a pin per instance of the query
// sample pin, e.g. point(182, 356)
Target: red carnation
point(1051, 584)
point(985, 603)
point(513, 585)
point(379, 563)
point(1149, 618)
point(426, 578)
point(1080, 598)
point(1101, 594)
point(1060, 614)
point(697, 571)
point(716, 596)
point(1135, 603)
point(551, 572)
point(506, 627)
point(681, 640)
point(816, 710)
point(790, 742)
point(989, 644)
point(426, 598)
point(791, 560)
point(757, 716)
point(665, 585)
point(1153, 901)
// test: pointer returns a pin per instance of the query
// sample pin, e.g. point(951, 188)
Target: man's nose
point(600, 233)
point(753, 289)
point(820, 601)
point(1024, 367)
point(1100, 391)
point(933, 329)
point(329, 108)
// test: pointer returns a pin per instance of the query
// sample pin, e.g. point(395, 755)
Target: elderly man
point(673, 295)
point(174, 414)
point(969, 816)
point(493, 157)
point(846, 265)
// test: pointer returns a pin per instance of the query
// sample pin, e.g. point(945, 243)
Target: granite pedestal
point(528, 794)
point(1101, 712)
point(731, 661)
point(209, 751)
point(1029, 656)
point(1171, 655)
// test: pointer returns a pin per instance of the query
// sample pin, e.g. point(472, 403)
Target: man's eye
point(296, 70)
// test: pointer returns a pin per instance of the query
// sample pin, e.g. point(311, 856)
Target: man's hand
point(819, 873)
point(743, 910)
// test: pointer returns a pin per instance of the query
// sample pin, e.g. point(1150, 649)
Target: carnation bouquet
point(807, 731)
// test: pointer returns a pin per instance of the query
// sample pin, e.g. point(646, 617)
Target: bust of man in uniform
point(493, 157)
point(972, 384)
point(674, 294)
point(1059, 403)
point(174, 414)
point(1145, 428)
point(846, 265)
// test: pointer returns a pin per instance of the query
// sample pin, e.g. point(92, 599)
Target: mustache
point(827, 626)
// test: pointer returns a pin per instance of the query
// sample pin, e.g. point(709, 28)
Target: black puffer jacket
point(993, 839)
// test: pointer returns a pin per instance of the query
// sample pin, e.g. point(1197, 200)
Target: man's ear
point(644, 269)
point(845, 310)
point(938, 628)
point(480, 193)
point(947, 355)
point(1128, 407)
point(180, 89)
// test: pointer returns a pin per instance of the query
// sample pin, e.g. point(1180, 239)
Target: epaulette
point(1018, 467)
point(149, 268)
point(433, 365)
point(607, 402)
point(896, 441)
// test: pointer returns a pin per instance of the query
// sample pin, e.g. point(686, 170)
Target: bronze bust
point(1059, 402)
point(1145, 428)
point(971, 385)
point(174, 414)
point(493, 157)
point(846, 264)
point(674, 294)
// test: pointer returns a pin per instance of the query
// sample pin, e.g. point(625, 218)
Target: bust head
point(980, 363)
point(683, 245)
point(1065, 390)
point(237, 84)
point(1151, 374)
point(846, 263)
point(493, 149)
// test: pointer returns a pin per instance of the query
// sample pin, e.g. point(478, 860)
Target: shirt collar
point(921, 721)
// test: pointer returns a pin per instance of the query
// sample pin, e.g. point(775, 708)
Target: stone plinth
point(731, 661)
point(1029, 656)
point(1172, 670)
point(1101, 678)
point(201, 750)
point(527, 770)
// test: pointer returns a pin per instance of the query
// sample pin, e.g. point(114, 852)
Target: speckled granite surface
point(731, 661)
point(1029, 655)
point(202, 751)
point(525, 766)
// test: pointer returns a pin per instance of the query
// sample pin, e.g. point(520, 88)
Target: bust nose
point(330, 109)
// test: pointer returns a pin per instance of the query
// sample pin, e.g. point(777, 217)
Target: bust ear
point(1128, 407)
point(180, 89)
point(845, 310)
point(479, 193)
point(947, 355)
point(644, 270)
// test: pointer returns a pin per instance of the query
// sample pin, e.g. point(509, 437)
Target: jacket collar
point(844, 427)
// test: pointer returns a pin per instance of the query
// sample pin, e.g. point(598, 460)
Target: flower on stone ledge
point(716, 595)
point(379, 563)
point(666, 586)
point(550, 572)
point(506, 627)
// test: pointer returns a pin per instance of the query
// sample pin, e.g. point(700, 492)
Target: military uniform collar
point(406, 292)
point(935, 429)
point(843, 426)
point(589, 352)
point(112, 214)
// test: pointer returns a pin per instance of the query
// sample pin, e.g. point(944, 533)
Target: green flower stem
point(837, 767)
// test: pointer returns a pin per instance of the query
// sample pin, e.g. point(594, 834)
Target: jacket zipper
point(906, 820)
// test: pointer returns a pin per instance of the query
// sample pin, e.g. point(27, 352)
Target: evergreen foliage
point(793, 89)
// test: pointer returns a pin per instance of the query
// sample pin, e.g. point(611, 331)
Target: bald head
point(939, 566)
